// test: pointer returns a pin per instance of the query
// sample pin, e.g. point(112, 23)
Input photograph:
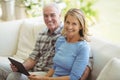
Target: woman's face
point(72, 26)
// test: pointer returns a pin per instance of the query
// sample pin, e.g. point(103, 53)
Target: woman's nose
point(70, 26)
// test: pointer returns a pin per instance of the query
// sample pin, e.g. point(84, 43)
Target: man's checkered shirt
point(45, 50)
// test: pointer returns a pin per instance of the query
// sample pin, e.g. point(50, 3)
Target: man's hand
point(14, 69)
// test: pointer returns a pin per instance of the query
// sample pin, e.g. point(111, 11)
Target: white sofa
point(17, 39)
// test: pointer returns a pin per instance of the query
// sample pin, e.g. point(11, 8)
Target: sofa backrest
point(27, 37)
point(9, 32)
point(102, 52)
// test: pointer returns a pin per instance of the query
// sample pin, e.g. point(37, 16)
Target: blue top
point(70, 59)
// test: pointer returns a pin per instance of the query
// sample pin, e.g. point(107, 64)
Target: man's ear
point(60, 14)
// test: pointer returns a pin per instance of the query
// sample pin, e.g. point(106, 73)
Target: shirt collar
point(58, 30)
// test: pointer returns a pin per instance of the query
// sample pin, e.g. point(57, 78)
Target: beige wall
point(108, 26)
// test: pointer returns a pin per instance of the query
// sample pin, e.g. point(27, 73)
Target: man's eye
point(45, 15)
point(52, 15)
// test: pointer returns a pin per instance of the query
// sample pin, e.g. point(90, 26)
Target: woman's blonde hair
point(77, 13)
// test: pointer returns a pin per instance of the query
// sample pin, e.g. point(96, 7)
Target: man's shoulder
point(44, 32)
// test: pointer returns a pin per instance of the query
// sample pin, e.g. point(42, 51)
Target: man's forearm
point(29, 63)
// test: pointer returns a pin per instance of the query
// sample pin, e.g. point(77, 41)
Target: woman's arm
point(80, 63)
point(48, 76)
point(50, 73)
point(59, 78)
point(36, 77)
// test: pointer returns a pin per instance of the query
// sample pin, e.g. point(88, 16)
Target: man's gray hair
point(53, 4)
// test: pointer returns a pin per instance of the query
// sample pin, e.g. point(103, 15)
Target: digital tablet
point(19, 66)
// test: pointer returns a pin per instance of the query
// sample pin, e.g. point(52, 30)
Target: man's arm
point(29, 63)
point(86, 73)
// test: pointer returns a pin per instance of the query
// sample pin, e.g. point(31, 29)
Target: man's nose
point(49, 18)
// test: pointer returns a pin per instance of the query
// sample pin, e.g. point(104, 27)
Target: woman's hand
point(14, 69)
point(37, 77)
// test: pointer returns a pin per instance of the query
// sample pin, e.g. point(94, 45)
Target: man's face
point(51, 17)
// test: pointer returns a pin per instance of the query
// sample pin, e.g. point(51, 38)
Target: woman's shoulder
point(83, 43)
point(83, 46)
point(61, 39)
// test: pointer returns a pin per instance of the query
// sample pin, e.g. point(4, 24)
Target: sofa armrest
point(102, 51)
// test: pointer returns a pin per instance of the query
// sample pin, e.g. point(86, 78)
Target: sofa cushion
point(110, 71)
point(27, 37)
point(102, 52)
point(4, 60)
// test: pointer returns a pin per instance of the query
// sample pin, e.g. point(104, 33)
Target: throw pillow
point(25, 41)
point(111, 70)
point(27, 38)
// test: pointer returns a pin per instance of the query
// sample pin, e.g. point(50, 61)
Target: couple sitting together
point(61, 52)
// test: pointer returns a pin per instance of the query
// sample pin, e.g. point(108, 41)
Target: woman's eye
point(74, 24)
point(67, 22)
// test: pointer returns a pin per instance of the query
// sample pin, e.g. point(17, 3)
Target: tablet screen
point(19, 66)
